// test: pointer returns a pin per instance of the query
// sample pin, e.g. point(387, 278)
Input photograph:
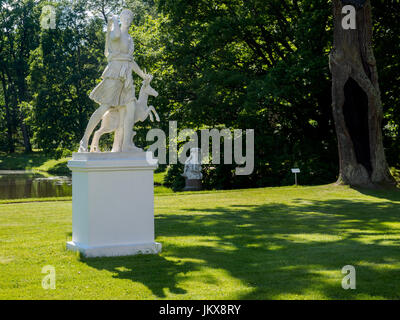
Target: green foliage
point(19, 29)
point(150, 53)
point(174, 178)
point(387, 51)
point(238, 64)
point(63, 70)
point(260, 65)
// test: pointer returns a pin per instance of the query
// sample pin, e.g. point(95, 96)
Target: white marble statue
point(113, 203)
point(192, 170)
point(119, 107)
point(113, 119)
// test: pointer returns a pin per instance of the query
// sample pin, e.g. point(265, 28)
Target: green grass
point(159, 177)
point(54, 166)
point(271, 243)
point(35, 161)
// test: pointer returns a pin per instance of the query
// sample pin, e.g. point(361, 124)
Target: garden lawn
point(271, 243)
point(34, 161)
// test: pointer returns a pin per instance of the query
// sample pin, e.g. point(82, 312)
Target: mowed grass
point(271, 243)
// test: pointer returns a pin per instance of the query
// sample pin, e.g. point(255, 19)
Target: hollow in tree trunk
point(356, 101)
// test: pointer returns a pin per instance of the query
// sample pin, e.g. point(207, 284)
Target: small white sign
point(296, 170)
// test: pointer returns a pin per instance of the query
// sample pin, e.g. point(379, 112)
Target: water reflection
point(23, 184)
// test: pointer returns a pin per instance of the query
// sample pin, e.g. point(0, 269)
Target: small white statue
point(116, 92)
point(192, 170)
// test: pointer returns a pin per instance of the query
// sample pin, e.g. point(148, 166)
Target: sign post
point(295, 171)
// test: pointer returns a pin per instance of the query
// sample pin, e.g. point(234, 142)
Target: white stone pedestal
point(113, 204)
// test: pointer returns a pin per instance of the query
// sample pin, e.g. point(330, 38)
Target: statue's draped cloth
point(116, 88)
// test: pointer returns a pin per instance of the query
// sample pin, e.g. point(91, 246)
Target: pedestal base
point(192, 185)
point(115, 250)
point(113, 204)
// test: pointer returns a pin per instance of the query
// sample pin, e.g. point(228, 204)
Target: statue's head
point(126, 17)
point(147, 87)
point(195, 155)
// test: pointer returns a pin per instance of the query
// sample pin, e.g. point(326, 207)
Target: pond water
point(24, 184)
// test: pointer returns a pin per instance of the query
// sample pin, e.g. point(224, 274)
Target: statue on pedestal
point(113, 198)
point(119, 109)
point(192, 171)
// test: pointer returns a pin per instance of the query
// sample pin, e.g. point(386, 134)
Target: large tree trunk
point(356, 101)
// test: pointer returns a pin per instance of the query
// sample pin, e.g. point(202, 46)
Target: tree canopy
point(252, 64)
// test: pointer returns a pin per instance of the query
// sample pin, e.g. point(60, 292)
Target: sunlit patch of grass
point(310, 237)
point(159, 178)
point(5, 260)
point(162, 189)
point(54, 166)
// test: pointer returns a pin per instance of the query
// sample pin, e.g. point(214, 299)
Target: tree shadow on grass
point(276, 250)
point(390, 194)
point(154, 271)
point(60, 168)
point(18, 161)
point(293, 249)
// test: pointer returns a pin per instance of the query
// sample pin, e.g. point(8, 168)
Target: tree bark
point(21, 81)
point(356, 102)
point(10, 140)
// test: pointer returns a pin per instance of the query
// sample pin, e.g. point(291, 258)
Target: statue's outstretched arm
point(109, 27)
point(116, 32)
point(138, 71)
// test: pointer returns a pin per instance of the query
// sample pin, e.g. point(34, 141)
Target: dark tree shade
point(356, 3)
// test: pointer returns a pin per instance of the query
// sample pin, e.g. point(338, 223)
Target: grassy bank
point(272, 243)
point(35, 161)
